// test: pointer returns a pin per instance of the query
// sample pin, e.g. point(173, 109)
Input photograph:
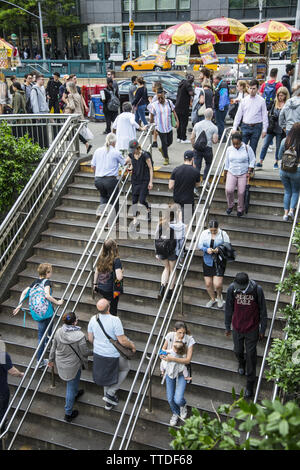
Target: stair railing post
point(149, 409)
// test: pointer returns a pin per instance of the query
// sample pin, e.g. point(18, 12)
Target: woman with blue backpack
point(40, 299)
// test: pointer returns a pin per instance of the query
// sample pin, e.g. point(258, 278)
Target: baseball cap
point(133, 144)
point(188, 155)
point(241, 281)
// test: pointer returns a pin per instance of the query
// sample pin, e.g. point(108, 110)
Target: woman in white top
point(176, 387)
point(125, 127)
point(239, 164)
point(213, 267)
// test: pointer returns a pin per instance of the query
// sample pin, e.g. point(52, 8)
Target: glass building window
point(166, 4)
point(251, 3)
point(184, 4)
point(145, 5)
point(125, 5)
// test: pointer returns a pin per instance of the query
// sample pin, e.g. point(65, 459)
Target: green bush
point(18, 159)
point(273, 426)
point(284, 356)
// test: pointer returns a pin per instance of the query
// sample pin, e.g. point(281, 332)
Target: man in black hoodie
point(184, 100)
point(246, 308)
point(286, 79)
point(52, 92)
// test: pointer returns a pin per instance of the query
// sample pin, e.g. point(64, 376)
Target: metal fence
point(42, 129)
point(81, 68)
point(44, 182)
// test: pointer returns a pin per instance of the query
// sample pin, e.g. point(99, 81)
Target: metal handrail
point(15, 226)
point(89, 251)
point(275, 310)
point(167, 317)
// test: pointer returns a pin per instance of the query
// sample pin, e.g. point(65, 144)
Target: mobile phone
point(162, 353)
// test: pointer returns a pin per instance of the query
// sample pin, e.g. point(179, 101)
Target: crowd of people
point(268, 112)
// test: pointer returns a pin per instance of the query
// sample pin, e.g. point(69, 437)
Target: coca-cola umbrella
point(295, 32)
point(186, 34)
point(269, 31)
point(227, 29)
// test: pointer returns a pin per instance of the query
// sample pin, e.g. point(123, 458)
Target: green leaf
point(284, 427)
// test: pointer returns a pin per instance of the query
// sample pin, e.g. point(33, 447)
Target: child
point(173, 369)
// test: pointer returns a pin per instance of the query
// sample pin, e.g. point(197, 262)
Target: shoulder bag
point(74, 350)
point(125, 352)
point(173, 119)
point(202, 107)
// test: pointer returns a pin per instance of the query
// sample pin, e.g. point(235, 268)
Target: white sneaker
point(178, 140)
point(173, 420)
point(185, 141)
point(183, 412)
point(44, 363)
point(220, 301)
point(210, 303)
point(291, 215)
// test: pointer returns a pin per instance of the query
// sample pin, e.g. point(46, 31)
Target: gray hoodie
point(290, 113)
point(38, 100)
point(67, 361)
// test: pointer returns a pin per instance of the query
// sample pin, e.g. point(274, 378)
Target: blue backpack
point(40, 308)
point(269, 94)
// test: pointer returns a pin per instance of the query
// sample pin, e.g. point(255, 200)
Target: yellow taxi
point(145, 63)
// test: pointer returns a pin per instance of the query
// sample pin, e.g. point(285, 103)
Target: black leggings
point(113, 302)
point(139, 194)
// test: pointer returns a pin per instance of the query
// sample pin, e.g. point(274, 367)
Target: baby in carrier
point(173, 369)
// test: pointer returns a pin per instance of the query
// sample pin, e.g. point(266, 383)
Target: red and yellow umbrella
point(269, 31)
point(227, 29)
point(186, 34)
point(295, 32)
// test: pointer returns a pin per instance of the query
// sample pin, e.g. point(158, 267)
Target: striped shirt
point(162, 115)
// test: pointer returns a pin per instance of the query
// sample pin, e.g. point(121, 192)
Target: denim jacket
point(204, 244)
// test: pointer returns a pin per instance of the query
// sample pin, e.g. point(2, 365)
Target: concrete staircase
point(260, 239)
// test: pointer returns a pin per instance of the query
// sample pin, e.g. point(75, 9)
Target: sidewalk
point(177, 150)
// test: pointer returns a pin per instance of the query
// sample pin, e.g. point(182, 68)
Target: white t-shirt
point(187, 339)
point(209, 128)
point(113, 328)
point(106, 162)
point(126, 126)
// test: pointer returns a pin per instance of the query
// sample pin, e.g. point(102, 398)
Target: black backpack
point(201, 142)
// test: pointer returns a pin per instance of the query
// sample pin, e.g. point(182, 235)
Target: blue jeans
point(72, 390)
point(251, 134)
point(42, 326)
point(291, 183)
point(140, 114)
point(220, 120)
point(267, 141)
point(175, 393)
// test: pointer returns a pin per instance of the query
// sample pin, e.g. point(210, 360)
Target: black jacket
point(52, 89)
point(287, 83)
point(258, 293)
point(184, 95)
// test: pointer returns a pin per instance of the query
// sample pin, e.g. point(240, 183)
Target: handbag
point(125, 352)
point(86, 133)
point(202, 108)
point(173, 119)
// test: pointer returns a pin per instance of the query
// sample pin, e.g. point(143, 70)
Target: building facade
point(107, 20)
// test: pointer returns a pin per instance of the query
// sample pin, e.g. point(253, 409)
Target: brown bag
point(125, 352)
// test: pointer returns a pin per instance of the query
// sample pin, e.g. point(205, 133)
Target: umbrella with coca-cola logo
point(269, 31)
point(186, 34)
